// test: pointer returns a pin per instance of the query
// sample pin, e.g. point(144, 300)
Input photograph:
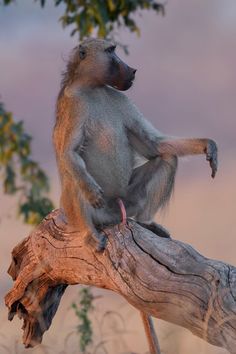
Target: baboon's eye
point(110, 49)
point(82, 53)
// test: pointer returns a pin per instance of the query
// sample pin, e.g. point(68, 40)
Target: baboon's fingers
point(212, 156)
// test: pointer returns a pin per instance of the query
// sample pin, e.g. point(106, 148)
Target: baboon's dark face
point(100, 65)
point(120, 75)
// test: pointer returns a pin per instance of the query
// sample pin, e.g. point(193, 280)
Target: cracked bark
point(164, 278)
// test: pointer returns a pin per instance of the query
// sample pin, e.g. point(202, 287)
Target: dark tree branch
point(164, 278)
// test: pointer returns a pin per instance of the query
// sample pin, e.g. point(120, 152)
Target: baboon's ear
point(82, 52)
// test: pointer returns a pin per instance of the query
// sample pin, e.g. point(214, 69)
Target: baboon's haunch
point(99, 136)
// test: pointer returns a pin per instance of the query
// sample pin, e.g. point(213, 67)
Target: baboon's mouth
point(124, 87)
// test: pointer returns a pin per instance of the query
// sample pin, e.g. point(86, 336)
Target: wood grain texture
point(165, 278)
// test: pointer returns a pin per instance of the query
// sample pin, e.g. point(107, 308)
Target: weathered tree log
point(162, 277)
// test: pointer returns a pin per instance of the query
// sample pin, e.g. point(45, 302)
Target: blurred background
point(186, 86)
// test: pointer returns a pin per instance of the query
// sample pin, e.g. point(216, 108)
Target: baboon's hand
point(211, 156)
point(95, 196)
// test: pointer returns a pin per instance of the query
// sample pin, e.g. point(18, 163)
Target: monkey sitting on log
point(100, 134)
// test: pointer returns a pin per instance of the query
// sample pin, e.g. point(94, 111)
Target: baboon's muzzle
point(124, 75)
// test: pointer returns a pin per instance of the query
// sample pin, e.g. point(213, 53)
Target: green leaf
point(20, 174)
point(82, 310)
point(101, 16)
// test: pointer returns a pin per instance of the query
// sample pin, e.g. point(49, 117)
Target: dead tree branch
point(164, 278)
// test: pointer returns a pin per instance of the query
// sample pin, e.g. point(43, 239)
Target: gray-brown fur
point(100, 135)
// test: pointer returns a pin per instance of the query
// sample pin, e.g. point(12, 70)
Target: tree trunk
point(162, 277)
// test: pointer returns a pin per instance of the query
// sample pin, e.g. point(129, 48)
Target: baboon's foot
point(157, 229)
point(100, 241)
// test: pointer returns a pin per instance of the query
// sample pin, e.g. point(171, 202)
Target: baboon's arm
point(150, 143)
point(75, 166)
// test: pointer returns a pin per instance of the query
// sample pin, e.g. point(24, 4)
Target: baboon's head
point(95, 63)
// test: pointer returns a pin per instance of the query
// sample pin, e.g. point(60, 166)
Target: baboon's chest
point(107, 140)
point(107, 137)
point(105, 128)
point(107, 152)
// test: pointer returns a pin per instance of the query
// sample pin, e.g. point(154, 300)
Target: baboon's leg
point(110, 214)
point(150, 189)
point(155, 228)
point(78, 215)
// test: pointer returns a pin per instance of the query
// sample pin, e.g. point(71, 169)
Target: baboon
point(110, 158)
point(107, 150)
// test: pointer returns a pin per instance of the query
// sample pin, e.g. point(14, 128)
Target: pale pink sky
point(186, 85)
